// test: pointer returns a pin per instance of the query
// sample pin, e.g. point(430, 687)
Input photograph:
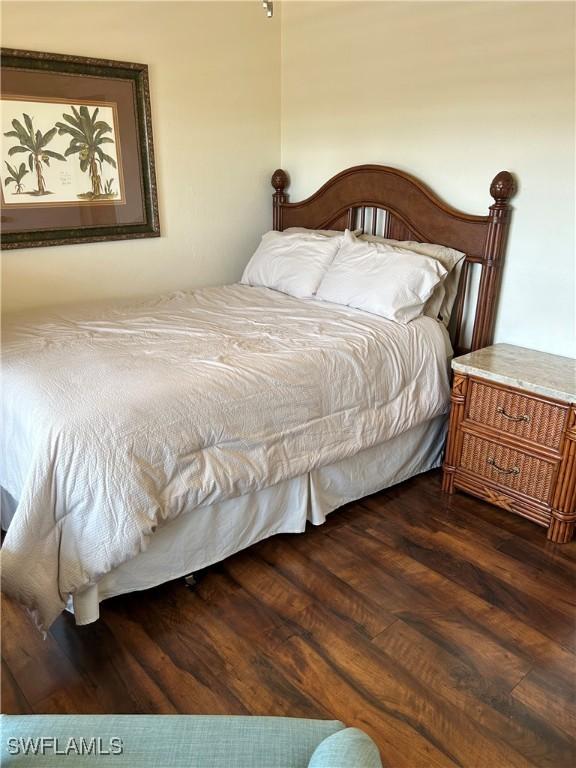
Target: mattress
point(119, 419)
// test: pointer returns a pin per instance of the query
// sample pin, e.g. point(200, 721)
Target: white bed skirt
point(210, 534)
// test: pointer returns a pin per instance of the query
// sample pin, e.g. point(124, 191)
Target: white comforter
point(119, 418)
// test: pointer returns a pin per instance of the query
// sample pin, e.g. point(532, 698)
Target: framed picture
point(77, 153)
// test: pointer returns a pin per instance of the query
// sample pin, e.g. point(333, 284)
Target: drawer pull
point(513, 471)
point(502, 412)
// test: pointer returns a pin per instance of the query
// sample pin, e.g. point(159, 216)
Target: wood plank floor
point(445, 628)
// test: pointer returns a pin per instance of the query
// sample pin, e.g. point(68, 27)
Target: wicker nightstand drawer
point(529, 418)
point(508, 468)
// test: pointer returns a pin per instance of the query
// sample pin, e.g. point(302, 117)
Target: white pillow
point(293, 263)
point(392, 282)
point(442, 300)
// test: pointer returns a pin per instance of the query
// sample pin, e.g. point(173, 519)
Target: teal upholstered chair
point(182, 741)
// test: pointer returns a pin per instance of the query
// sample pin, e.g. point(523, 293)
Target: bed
point(145, 440)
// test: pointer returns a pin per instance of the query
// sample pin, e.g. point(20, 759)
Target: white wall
point(214, 75)
point(452, 92)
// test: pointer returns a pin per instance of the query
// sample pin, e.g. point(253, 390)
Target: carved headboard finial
point(280, 180)
point(503, 187)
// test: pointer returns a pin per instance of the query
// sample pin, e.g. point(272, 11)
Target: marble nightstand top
point(537, 372)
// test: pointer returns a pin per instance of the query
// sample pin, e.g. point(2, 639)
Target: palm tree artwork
point(34, 144)
point(88, 135)
point(16, 176)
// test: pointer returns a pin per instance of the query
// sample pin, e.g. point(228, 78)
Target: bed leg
point(190, 580)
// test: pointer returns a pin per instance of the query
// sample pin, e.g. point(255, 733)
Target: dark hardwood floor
point(445, 628)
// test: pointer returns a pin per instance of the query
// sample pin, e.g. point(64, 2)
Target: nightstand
point(512, 434)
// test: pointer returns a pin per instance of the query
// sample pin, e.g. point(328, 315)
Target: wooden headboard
point(388, 202)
